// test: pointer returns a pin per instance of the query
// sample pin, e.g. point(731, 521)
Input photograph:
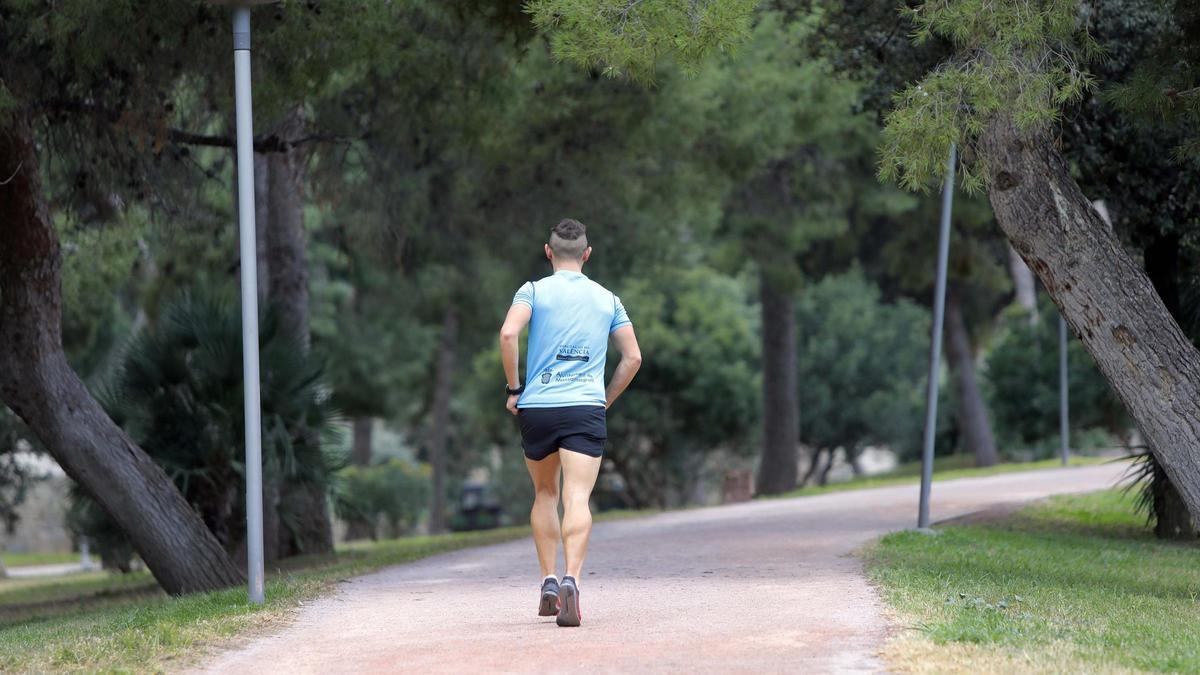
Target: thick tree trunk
point(777, 472)
point(442, 389)
point(1108, 302)
point(37, 383)
point(287, 265)
point(1172, 518)
point(970, 408)
point(287, 248)
point(272, 481)
point(1024, 286)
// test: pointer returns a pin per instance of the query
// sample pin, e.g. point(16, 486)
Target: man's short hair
point(568, 239)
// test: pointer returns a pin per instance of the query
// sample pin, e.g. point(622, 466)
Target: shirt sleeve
point(524, 295)
point(620, 317)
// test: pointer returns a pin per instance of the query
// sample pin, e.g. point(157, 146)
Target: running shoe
point(568, 608)
point(549, 603)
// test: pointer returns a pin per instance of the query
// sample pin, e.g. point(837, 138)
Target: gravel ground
point(765, 586)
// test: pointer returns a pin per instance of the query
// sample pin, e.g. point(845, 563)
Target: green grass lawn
point(944, 468)
point(1073, 584)
point(107, 622)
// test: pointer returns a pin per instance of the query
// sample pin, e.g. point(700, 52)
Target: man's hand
point(512, 403)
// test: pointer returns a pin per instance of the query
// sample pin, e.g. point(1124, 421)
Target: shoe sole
point(568, 613)
point(549, 605)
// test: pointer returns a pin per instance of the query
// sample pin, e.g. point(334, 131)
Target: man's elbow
point(634, 360)
point(507, 335)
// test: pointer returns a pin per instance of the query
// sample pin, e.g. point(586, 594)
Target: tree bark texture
point(1108, 302)
point(38, 384)
point(310, 529)
point(777, 472)
point(287, 248)
point(439, 434)
point(262, 219)
point(970, 408)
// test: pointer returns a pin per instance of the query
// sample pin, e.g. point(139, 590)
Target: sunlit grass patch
point(1076, 583)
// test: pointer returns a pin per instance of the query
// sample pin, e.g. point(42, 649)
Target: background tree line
point(411, 156)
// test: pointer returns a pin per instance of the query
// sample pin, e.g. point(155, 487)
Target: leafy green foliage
point(390, 496)
point(1021, 382)
point(628, 37)
point(697, 391)
point(861, 365)
point(1164, 83)
point(780, 135)
point(1020, 60)
point(178, 393)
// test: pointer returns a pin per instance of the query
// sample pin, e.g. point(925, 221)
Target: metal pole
point(1063, 410)
point(249, 268)
point(935, 347)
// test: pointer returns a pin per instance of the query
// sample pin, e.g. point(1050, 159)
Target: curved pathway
point(765, 586)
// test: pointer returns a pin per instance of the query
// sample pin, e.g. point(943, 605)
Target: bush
point(861, 367)
point(390, 496)
point(1021, 384)
point(177, 391)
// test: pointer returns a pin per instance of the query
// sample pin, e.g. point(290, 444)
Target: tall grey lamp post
point(249, 269)
point(935, 347)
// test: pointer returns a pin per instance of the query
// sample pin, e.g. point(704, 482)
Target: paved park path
point(765, 586)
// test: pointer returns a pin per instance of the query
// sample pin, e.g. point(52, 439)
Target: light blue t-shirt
point(568, 339)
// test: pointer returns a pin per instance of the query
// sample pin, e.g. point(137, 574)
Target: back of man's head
point(568, 239)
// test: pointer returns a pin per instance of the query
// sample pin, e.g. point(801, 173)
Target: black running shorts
point(580, 428)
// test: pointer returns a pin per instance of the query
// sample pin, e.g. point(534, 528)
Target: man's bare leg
point(579, 477)
point(543, 518)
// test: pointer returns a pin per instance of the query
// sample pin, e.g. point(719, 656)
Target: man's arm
point(510, 350)
point(631, 360)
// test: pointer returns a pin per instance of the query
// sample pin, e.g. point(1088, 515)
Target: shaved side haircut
point(568, 239)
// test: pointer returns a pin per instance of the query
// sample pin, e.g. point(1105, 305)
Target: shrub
point(390, 496)
point(1021, 383)
point(177, 391)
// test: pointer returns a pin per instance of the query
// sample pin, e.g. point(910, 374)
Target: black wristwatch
point(513, 392)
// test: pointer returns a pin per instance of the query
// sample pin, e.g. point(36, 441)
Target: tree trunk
point(1172, 520)
point(37, 383)
point(311, 529)
point(777, 472)
point(272, 481)
point(1023, 284)
point(823, 476)
point(287, 254)
point(970, 408)
point(814, 462)
point(361, 456)
point(1108, 302)
point(443, 386)
point(363, 427)
point(262, 220)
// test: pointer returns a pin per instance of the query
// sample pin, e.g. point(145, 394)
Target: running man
point(562, 405)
